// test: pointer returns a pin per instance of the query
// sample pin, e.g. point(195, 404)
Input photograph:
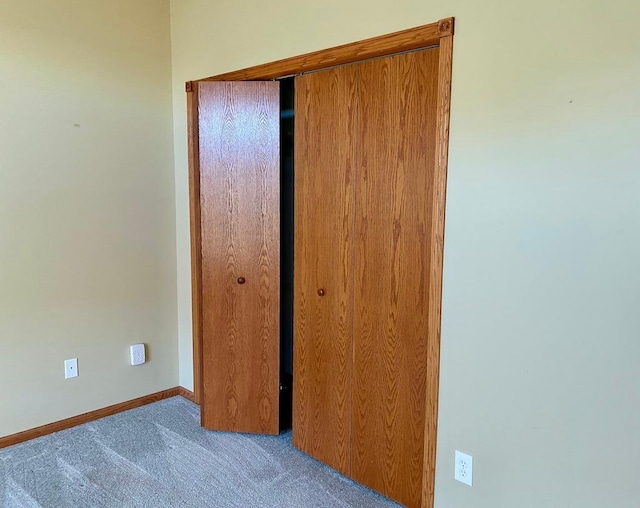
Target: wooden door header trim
point(397, 42)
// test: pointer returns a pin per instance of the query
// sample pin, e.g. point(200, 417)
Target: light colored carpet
point(158, 456)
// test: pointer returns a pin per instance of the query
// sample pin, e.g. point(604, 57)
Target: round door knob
point(320, 292)
point(241, 280)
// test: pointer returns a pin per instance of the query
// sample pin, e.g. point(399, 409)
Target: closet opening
point(367, 292)
point(287, 95)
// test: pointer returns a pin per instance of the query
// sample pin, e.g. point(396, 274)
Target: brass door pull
point(320, 292)
point(241, 280)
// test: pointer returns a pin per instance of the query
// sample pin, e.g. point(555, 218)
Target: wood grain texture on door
point(396, 155)
point(323, 264)
point(239, 189)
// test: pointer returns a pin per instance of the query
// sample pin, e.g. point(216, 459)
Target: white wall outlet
point(464, 468)
point(71, 368)
point(138, 354)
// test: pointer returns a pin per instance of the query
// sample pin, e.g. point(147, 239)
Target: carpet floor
point(158, 456)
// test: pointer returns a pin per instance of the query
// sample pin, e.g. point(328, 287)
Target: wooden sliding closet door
point(239, 187)
point(396, 162)
point(323, 283)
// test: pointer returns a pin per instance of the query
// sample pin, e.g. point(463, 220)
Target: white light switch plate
point(464, 468)
point(138, 354)
point(71, 368)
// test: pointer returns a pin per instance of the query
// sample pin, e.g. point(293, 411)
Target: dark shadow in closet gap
point(287, 96)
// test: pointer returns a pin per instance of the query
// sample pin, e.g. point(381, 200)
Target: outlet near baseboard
point(464, 468)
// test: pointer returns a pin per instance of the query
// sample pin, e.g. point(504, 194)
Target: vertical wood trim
point(436, 264)
point(196, 243)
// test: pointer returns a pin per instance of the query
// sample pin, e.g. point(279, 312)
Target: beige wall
point(87, 223)
point(541, 327)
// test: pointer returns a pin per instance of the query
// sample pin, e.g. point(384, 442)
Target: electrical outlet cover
point(71, 368)
point(464, 468)
point(138, 354)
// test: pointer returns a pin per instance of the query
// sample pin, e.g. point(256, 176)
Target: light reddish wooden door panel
point(324, 218)
point(396, 160)
point(239, 187)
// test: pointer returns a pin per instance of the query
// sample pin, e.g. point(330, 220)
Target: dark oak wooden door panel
point(396, 161)
point(323, 272)
point(239, 188)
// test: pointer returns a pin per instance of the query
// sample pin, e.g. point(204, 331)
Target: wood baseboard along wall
point(187, 394)
point(91, 416)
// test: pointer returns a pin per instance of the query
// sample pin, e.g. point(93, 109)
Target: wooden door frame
point(439, 34)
